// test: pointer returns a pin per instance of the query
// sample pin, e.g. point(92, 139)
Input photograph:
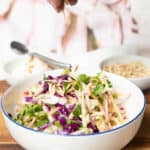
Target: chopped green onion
point(115, 96)
point(66, 71)
point(44, 77)
point(78, 86)
point(101, 100)
point(109, 84)
point(98, 89)
point(57, 124)
point(41, 123)
point(66, 86)
point(83, 78)
point(77, 111)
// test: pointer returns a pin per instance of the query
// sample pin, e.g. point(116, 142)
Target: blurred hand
point(59, 4)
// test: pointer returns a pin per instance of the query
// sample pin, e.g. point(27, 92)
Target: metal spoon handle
point(19, 47)
point(22, 49)
point(52, 62)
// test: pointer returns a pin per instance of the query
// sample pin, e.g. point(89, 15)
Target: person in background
point(85, 27)
point(60, 4)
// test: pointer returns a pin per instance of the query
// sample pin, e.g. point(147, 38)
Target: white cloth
point(36, 20)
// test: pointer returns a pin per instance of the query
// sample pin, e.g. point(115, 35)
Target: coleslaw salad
point(71, 104)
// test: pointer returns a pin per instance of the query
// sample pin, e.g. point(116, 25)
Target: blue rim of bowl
point(98, 133)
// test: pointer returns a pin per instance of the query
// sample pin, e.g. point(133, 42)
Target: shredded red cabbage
point(63, 110)
point(45, 87)
point(58, 95)
point(71, 127)
point(73, 95)
point(48, 107)
point(30, 99)
point(55, 115)
point(50, 77)
point(45, 126)
point(62, 132)
point(93, 127)
point(10, 115)
point(71, 107)
point(62, 121)
point(40, 82)
point(63, 77)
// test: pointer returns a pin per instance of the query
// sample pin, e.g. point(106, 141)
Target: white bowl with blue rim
point(114, 139)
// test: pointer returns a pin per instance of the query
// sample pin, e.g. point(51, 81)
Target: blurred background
point(79, 29)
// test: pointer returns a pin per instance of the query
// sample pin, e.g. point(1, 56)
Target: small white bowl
point(114, 139)
point(141, 82)
point(16, 69)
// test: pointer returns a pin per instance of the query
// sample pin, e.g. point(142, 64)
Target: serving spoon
point(22, 49)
